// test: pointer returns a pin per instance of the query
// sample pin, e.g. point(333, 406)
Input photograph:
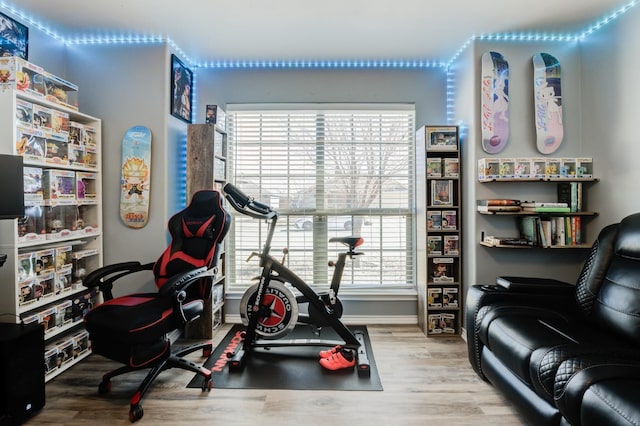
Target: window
point(330, 170)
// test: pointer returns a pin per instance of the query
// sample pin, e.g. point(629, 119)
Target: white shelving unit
point(72, 242)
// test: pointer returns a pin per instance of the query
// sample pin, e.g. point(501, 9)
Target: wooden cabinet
point(439, 227)
point(59, 240)
point(207, 169)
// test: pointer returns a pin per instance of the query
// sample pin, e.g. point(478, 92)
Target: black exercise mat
point(287, 367)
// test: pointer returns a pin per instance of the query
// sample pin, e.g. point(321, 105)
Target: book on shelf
point(542, 204)
point(498, 202)
point(551, 232)
point(571, 194)
point(506, 241)
point(499, 208)
point(434, 220)
point(546, 209)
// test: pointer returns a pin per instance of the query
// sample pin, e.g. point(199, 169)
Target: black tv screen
point(11, 187)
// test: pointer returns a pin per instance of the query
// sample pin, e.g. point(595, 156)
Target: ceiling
point(257, 30)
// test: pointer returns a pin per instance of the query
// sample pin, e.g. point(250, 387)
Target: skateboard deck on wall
point(494, 102)
point(548, 102)
point(135, 177)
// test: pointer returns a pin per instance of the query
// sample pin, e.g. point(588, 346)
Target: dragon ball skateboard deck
point(548, 102)
point(135, 177)
point(494, 102)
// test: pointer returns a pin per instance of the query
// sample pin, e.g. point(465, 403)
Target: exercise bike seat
point(351, 242)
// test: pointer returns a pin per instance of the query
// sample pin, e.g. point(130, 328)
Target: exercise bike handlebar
point(247, 205)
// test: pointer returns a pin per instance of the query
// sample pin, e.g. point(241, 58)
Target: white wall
point(125, 86)
point(610, 63)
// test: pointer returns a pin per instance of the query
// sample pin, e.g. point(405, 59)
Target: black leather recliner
point(134, 329)
point(543, 342)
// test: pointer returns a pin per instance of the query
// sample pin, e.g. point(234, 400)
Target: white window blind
point(330, 171)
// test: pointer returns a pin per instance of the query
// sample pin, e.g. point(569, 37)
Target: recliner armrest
point(534, 284)
point(570, 400)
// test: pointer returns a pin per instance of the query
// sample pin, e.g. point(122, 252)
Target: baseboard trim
point(357, 319)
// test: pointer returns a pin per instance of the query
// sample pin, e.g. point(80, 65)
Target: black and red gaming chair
point(133, 329)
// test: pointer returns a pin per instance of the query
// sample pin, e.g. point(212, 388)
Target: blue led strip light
point(323, 64)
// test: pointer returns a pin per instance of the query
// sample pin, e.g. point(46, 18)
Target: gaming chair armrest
point(104, 277)
point(176, 288)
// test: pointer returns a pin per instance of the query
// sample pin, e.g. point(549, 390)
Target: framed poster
point(181, 85)
point(14, 38)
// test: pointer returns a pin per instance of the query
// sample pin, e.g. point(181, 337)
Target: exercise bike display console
point(270, 309)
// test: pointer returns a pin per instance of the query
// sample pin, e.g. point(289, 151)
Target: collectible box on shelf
point(48, 319)
point(507, 168)
point(46, 285)
point(81, 342)
point(21, 75)
point(90, 135)
point(434, 245)
point(442, 269)
point(451, 167)
point(538, 167)
point(449, 220)
point(552, 168)
point(87, 219)
point(434, 220)
point(57, 152)
point(584, 167)
point(64, 279)
point(51, 359)
point(31, 227)
point(448, 322)
point(434, 297)
point(86, 188)
point(488, 169)
point(31, 144)
point(434, 325)
point(65, 311)
point(24, 113)
point(45, 262)
point(60, 220)
point(26, 266)
point(65, 351)
point(434, 167)
point(441, 193)
point(32, 178)
point(59, 185)
point(63, 257)
point(42, 117)
point(523, 168)
point(60, 122)
point(216, 115)
point(450, 297)
point(451, 245)
point(60, 91)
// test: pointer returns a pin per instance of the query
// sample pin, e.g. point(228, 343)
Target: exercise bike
point(270, 310)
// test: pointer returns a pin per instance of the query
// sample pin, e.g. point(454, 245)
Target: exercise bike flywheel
point(278, 314)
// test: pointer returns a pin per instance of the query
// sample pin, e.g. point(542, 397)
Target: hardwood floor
point(426, 382)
